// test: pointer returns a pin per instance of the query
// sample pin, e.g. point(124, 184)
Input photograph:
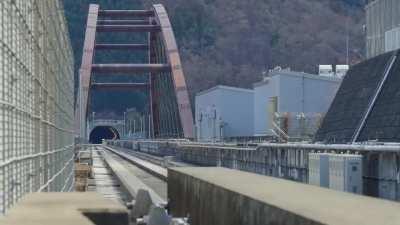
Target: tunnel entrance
point(103, 132)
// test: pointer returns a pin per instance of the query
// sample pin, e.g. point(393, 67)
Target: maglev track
point(118, 175)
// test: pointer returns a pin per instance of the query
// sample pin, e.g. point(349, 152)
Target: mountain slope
point(232, 41)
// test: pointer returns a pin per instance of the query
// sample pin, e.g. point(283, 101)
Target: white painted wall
point(262, 93)
point(226, 107)
point(296, 92)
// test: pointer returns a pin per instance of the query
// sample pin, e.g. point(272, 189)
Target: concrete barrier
point(220, 196)
point(381, 163)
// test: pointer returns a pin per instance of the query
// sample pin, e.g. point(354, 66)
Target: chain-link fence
point(36, 100)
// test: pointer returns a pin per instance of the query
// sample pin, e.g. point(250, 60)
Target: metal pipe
point(395, 147)
point(122, 47)
point(119, 86)
point(128, 28)
point(130, 68)
point(122, 22)
point(126, 13)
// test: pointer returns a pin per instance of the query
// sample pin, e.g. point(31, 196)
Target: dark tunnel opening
point(103, 132)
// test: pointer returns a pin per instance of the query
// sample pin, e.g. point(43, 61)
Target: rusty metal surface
point(122, 47)
point(128, 28)
point(120, 86)
point(168, 95)
point(126, 13)
point(122, 22)
point(86, 66)
point(130, 68)
point(171, 49)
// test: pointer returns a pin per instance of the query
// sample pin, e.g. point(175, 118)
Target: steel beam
point(122, 22)
point(178, 78)
point(120, 86)
point(153, 98)
point(169, 96)
point(126, 13)
point(130, 68)
point(128, 28)
point(86, 66)
point(144, 47)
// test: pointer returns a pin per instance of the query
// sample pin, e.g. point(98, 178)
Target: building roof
point(297, 74)
point(223, 87)
point(348, 111)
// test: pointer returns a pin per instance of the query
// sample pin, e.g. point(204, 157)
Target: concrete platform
point(220, 196)
point(66, 209)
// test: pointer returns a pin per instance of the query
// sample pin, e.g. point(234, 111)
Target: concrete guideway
point(153, 169)
point(164, 162)
point(103, 181)
point(232, 197)
point(131, 183)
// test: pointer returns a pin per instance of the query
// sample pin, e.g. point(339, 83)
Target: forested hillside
point(104, 102)
point(232, 41)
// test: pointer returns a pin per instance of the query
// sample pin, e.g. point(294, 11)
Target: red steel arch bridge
point(169, 105)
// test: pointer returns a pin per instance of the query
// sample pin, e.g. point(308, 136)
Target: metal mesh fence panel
point(36, 100)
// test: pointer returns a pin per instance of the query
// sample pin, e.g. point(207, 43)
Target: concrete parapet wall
point(381, 163)
point(220, 196)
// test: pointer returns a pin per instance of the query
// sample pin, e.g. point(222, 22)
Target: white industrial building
point(287, 101)
point(224, 112)
point(382, 26)
point(296, 100)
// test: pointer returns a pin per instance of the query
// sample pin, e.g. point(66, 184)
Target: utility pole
point(124, 123)
point(141, 126)
point(134, 127)
point(149, 126)
point(130, 127)
point(347, 38)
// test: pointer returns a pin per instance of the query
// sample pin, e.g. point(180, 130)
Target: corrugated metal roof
point(297, 74)
point(223, 87)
